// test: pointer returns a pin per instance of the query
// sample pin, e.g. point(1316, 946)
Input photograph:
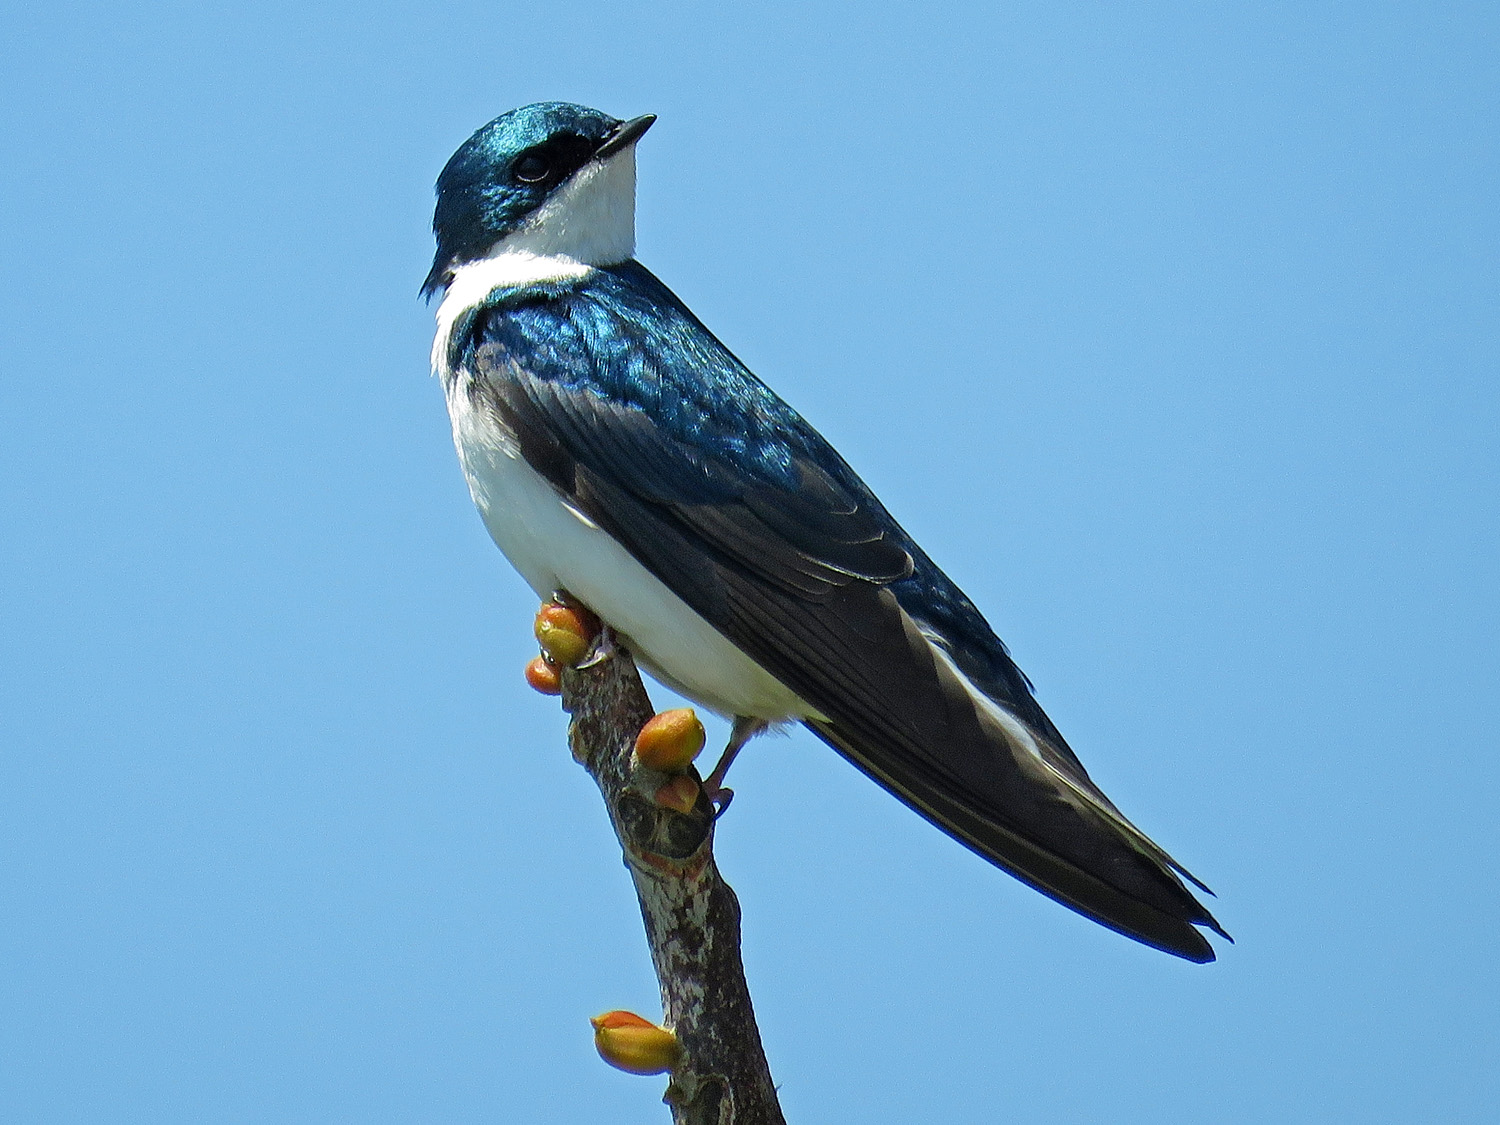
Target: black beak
point(623, 135)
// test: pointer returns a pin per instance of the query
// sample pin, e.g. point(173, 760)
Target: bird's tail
point(1012, 791)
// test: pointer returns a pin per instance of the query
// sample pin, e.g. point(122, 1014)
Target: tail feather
point(1167, 929)
point(999, 785)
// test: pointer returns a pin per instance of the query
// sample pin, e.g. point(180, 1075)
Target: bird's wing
point(743, 511)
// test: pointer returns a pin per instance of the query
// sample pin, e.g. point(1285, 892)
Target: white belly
point(556, 547)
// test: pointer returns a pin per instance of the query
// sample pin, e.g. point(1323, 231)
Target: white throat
point(590, 219)
point(588, 222)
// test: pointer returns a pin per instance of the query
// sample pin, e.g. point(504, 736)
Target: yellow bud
point(543, 677)
point(635, 1045)
point(670, 741)
point(681, 793)
point(565, 633)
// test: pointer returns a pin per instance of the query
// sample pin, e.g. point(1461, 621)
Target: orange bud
point(565, 634)
point(635, 1045)
point(670, 741)
point(681, 793)
point(543, 677)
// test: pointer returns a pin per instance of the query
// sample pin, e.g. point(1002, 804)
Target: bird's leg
point(745, 728)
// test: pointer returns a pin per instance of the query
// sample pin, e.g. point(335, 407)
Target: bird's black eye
point(533, 168)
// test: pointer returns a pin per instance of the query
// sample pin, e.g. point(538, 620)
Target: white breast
point(589, 222)
point(556, 547)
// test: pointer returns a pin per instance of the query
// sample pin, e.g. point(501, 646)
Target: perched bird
point(619, 452)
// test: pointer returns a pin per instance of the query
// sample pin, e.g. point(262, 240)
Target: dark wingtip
point(1172, 931)
point(1187, 943)
point(1204, 918)
point(1193, 879)
point(1204, 956)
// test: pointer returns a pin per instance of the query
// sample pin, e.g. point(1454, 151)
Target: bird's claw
point(603, 649)
point(720, 798)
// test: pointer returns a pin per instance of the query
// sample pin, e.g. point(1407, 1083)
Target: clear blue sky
point(1170, 330)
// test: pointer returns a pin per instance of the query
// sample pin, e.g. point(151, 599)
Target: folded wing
point(728, 497)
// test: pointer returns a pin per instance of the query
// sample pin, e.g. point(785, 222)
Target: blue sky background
point(1169, 329)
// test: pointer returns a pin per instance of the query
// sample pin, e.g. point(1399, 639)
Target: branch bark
point(692, 917)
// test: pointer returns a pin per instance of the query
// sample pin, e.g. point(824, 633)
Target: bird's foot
point(604, 648)
point(719, 797)
point(745, 728)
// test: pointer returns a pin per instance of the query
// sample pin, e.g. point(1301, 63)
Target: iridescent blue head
point(550, 178)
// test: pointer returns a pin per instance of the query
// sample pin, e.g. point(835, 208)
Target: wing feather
point(759, 527)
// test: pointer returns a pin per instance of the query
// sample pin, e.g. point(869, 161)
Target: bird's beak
point(623, 135)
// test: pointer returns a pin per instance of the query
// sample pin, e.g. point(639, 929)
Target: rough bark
point(692, 917)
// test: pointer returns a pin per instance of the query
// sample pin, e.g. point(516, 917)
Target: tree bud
point(565, 634)
point(543, 677)
point(681, 793)
point(670, 741)
point(635, 1045)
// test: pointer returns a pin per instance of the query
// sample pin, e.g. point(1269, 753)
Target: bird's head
point(551, 178)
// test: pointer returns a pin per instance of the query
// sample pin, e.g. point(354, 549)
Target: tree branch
point(692, 917)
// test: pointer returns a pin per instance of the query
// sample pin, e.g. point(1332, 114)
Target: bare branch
point(692, 917)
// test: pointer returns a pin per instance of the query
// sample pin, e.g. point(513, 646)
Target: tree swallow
point(619, 452)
